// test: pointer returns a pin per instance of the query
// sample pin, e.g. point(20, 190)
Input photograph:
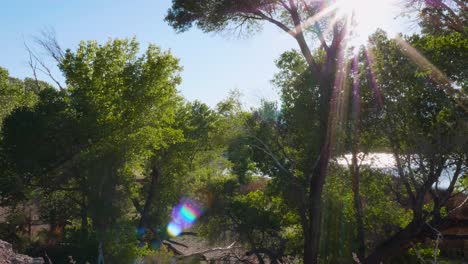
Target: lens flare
point(174, 229)
point(141, 231)
point(188, 214)
point(183, 216)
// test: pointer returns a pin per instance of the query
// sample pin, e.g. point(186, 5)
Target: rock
point(8, 256)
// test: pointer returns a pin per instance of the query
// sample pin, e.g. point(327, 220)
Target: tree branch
point(321, 37)
point(44, 69)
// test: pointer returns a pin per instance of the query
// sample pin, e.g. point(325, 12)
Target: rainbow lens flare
point(183, 216)
point(173, 229)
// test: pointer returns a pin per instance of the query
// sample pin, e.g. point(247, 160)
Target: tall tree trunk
point(361, 250)
point(84, 221)
point(30, 225)
point(309, 256)
point(83, 185)
point(315, 211)
point(355, 173)
point(155, 174)
point(319, 171)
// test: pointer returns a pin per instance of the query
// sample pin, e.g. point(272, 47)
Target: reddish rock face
point(7, 256)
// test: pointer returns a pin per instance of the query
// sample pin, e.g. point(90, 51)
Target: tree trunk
point(361, 250)
point(312, 237)
point(155, 174)
point(259, 258)
point(273, 258)
point(83, 185)
point(84, 221)
point(393, 245)
point(355, 173)
point(312, 244)
point(319, 172)
point(311, 249)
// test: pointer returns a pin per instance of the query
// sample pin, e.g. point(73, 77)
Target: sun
point(367, 15)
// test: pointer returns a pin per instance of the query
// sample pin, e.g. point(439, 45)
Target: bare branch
point(410, 170)
point(48, 41)
point(47, 257)
point(285, 5)
point(200, 253)
point(275, 22)
point(34, 60)
point(33, 65)
point(299, 36)
point(418, 254)
point(403, 178)
point(274, 158)
point(321, 37)
point(456, 175)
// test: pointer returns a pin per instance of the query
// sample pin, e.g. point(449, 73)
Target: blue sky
point(213, 64)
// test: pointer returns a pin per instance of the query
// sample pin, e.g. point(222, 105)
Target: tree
point(253, 217)
point(381, 214)
point(298, 19)
point(440, 16)
point(95, 137)
point(128, 104)
point(425, 129)
point(15, 93)
point(182, 168)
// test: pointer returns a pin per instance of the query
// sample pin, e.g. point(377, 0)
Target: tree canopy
point(122, 168)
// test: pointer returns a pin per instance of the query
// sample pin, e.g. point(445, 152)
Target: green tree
point(96, 136)
point(424, 126)
point(15, 95)
point(253, 216)
point(181, 168)
point(128, 104)
point(292, 17)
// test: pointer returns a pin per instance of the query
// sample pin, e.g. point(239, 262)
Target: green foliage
point(424, 252)
point(447, 53)
point(418, 103)
point(299, 109)
point(423, 120)
point(210, 15)
point(16, 93)
point(90, 141)
point(118, 147)
point(253, 215)
point(382, 218)
point(383, 214)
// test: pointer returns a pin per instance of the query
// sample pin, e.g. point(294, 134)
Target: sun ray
point(369, 56)
point(313, 19)
point(435, 74)
point(356, 92)
point(339, 97)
